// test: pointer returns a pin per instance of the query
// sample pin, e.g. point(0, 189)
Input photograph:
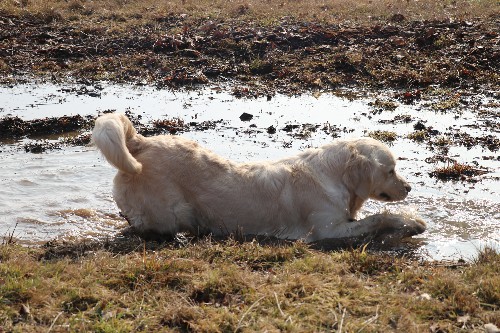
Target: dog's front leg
point(385, 225)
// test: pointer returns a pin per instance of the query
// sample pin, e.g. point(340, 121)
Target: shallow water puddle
point(67, 192)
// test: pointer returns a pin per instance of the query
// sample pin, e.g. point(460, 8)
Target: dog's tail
point(110, 135)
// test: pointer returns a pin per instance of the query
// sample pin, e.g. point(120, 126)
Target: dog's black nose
point(408, 188)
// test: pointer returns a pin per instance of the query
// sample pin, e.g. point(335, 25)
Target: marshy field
point(251, 80)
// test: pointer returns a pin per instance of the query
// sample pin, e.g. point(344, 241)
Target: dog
point(167, 185)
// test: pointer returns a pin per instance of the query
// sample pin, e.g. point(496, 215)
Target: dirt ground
point(287, 57)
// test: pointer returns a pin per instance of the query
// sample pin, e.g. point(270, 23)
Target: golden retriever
point(167, 184)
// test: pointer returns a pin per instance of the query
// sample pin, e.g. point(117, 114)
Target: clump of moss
point(442, 141)
point(418, 136)
point(259, 66)
point(3, 65)
point(384, 136)
point(385, 105)
point(447, 104)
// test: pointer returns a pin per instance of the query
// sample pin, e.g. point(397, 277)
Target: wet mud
point(285, 57)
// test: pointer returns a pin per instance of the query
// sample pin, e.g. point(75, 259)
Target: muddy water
point(67, 192)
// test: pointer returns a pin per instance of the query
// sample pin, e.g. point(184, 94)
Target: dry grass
point(228, 286)
point(126, 12)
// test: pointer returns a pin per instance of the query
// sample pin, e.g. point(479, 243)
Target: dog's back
point(110, 135)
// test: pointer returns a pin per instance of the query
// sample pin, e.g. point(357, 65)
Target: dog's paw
point(420, 225)
point(402, 226)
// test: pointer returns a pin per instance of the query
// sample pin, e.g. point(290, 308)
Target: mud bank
point(287, 57)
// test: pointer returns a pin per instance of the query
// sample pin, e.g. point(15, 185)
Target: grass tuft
point(384, 136)
point(418, 136)
point(384, 105)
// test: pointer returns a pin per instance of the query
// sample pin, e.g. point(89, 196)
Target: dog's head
point(370, 172)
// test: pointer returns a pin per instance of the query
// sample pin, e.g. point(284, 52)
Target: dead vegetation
point(289, 47)
point(384, 136)
point(15, 127)
point(125, 13)
point(208, 286)
point(456, 171)
point(419, 136)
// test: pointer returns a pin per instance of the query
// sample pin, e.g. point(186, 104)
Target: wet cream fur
point(167, 184)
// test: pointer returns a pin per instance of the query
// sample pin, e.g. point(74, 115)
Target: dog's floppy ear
point(358, 174)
